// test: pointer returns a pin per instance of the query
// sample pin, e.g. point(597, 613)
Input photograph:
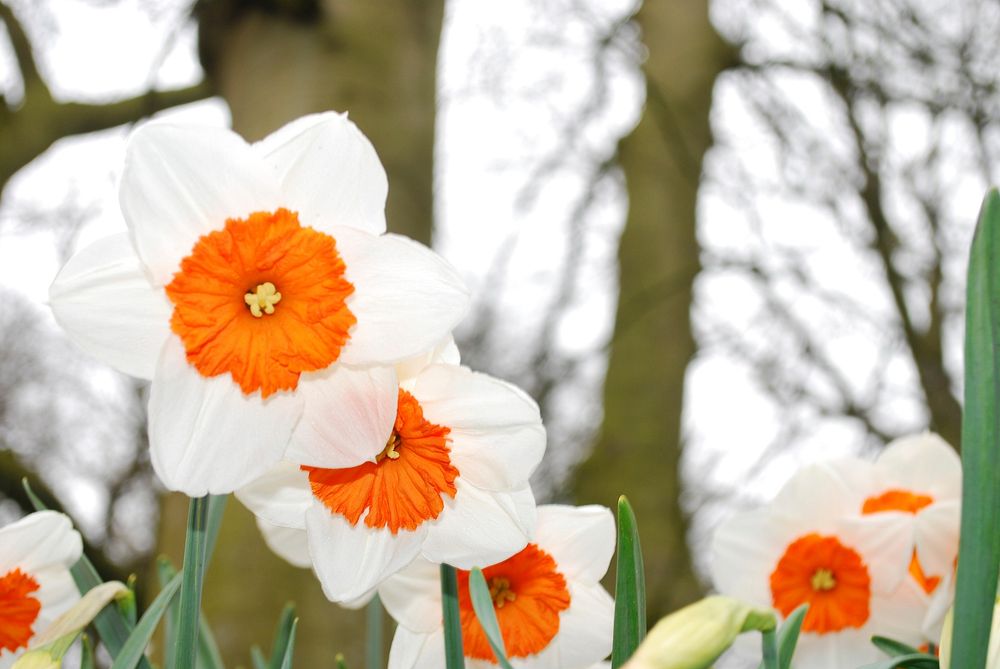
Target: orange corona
point(405, 486)
point(18, 610)
point(528, 595)
point(264, 300)
point(907, 502)
point(830, 577)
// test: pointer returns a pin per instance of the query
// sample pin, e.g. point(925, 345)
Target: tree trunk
point(378, 61)
point(639, 450)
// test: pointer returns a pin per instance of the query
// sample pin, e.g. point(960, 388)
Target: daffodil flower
point(813, 545)
point(36, 553)
point(255, 283)
point(552, 611)
point(448, 480)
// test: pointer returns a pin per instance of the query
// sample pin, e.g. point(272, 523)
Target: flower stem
point(453, 655)
point(194, 573)
point(373, 634)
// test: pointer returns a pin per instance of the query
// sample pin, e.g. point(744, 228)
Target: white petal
point(937, 529)
point(940, 602)
point(39, 540)
point(746, 548)
point(57, 592)
point(182, 182)
point(480, 528)
point(281, 496)
point(417, 650)
point(922, 463)
point(413, 596)
point(349, 559)
point(360, 601)
point(329, 173)
point(406, 297)
point(289, 543)
point(205, 435)
point(584, 636)
point(840, 650)
point(348, 416)
point(104, 300)
point(816, 496)
point(885, 543)
point(445, 352)
point(497, 438)
point(581, 539)
point(900, 616)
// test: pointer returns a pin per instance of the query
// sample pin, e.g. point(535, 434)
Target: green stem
point(453, 655)
point(373, 634)
point(770, 648)
point(194, 573)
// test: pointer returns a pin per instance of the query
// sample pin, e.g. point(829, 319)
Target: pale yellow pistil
point(500, 591)
point(390, 448)
point(823, 580)
point(263, 299)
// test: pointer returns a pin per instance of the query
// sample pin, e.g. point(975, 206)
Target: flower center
point(829, 576)
point(500, 591)
point(262, 300)
point(18, 610)
point(907, 502)
point(529, 619)
point(221, 323)
point(406, 484)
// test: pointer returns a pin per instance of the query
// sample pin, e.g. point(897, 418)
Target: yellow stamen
point(390, 448)
point(823, 580)
point(500, 591)
point(263, 299)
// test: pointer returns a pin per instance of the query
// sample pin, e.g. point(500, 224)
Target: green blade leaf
point(630, 588)
point(453, 655)
point(769, 648)
point(373, 634)
point(282, 635)
point(979, 544)
point(286, 660)
point(911, 661)
point(112, 627)
point(482, 604)
point(788, 636)
point(193, 575)
point(86, 653)
point(216, 508)
point(893, 648)
point(257, 658)
point(135, 647)
point(209, 656)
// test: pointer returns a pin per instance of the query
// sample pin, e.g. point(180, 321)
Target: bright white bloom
point(36, 553)
point(552, 610)
point(920, 476)
point(447, 481)
point(255, 284)
point(813, 545)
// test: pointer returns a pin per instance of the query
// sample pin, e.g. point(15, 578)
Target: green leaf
point(112, 627)
point(911, 661)
point(979, 544)
point(127, 604)
point(216, 508)
point(453, 655)
point(257, 657)
point(630, 588)
point(769, 649)
point(209, 656)
point(193, 575)
point(135, 648)
point(788, 636)
point(286, 660)
point(373, 634)
point(893, 648)
point(86, 653)
point(282, 636)
point(482, 604)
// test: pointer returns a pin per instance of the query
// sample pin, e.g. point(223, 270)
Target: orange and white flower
point(813, 545)
point(256, 283)
point(552, 610)
point(448, 480)
point(36, 553)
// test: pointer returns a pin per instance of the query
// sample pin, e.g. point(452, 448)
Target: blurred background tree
point(817, 248)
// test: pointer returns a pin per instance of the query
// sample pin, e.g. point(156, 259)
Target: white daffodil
point(921, 477)
point(812, 545)
point(255, 284)
point(447, 481)
point(36, 553)
point(552, 610)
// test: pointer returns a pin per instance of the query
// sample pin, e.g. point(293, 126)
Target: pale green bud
point(992, 656)
point(695, 636)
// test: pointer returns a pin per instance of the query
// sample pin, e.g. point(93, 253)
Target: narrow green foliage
point(135, 647)
point(127, 604)
point(112, 627)
point(209, 656)
point(216, 508)
point(373, 634)
point(893, 648)
point(87, 653)
point(788, 636)
point(911, 661)
point(286, 660)
point(257, 658)
point(630, 588)
point(282, 636)
point(453, 655)
point(979, 545)
point(769, 646)
point(482, 604)
point(193, 575)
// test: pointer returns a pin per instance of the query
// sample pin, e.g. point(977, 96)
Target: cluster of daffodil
point(302, 358)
